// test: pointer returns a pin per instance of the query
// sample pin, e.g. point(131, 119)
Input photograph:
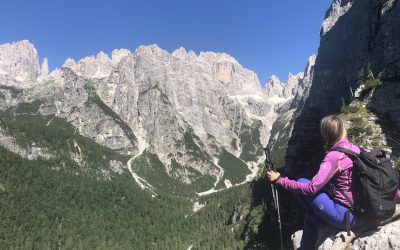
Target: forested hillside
point(72, 203)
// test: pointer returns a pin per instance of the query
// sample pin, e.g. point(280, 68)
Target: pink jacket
point(336, 166)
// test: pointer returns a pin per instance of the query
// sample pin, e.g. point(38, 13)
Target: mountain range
point(204, 117)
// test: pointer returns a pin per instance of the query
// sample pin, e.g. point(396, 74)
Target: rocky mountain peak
point(292, 84)
point(44, 69)
point(118, 54)
point(274, 88)
point(213, 57)
point(310, 66)
point(337, 9)
point(69, 63)
point(98, 66)
point(152, 50)
point(182, 54)
point(19, 60)
point(102, 57)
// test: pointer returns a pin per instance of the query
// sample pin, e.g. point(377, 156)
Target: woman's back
point(343, 176)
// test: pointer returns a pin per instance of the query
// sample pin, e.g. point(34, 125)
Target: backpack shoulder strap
point(345, 151)
point(353, 156)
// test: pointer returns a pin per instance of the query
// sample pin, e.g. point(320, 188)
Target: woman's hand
point(272, 176)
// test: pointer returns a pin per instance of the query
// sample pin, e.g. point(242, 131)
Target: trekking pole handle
point(269, 164)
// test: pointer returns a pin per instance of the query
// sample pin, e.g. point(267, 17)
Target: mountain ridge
point(185, 108)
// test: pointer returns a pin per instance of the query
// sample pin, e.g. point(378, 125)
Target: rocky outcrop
point(385, 236)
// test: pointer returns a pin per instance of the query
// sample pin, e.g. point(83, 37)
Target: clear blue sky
point(266, 36)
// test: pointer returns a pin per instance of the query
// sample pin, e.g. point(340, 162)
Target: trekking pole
point(269, 165)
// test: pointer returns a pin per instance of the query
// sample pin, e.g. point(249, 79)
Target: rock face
point(294, 91)
point(192, 112)
point(359, 39)
point(337, 9)
point(286, 90)
point(385, 237)
point(289, 98)
point(19, 61)
point(358, 63)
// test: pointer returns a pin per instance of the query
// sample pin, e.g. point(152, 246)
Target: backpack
point(377, 183)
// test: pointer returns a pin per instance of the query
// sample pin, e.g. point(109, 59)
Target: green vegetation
point(360, 128)
point(47, 209)
point(192, 147)
point(59, 137)
point(221, 207)
point(397, 164)
point(200, 183)
point(28, 107)
point(250, 141)
point(60, 204)
point(370, 84)
point(149, 167)
point(235, 169)
point(352, 109)
point(234, 144)
point(366, 77)
point(281, 131)
point(13, 90)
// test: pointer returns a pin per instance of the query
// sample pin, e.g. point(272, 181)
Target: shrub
point(370, 84)
point(351, 109)
point(397, 164)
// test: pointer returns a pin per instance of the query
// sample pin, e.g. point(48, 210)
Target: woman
point(336, 168)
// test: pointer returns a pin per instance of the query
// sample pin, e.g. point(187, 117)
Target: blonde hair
point(332, 130)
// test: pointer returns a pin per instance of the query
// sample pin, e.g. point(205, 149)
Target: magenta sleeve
point(326, 170)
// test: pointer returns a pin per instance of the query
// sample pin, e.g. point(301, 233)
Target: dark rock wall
point(366, 37)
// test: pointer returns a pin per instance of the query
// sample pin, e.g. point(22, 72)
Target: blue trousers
point(320, 210)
